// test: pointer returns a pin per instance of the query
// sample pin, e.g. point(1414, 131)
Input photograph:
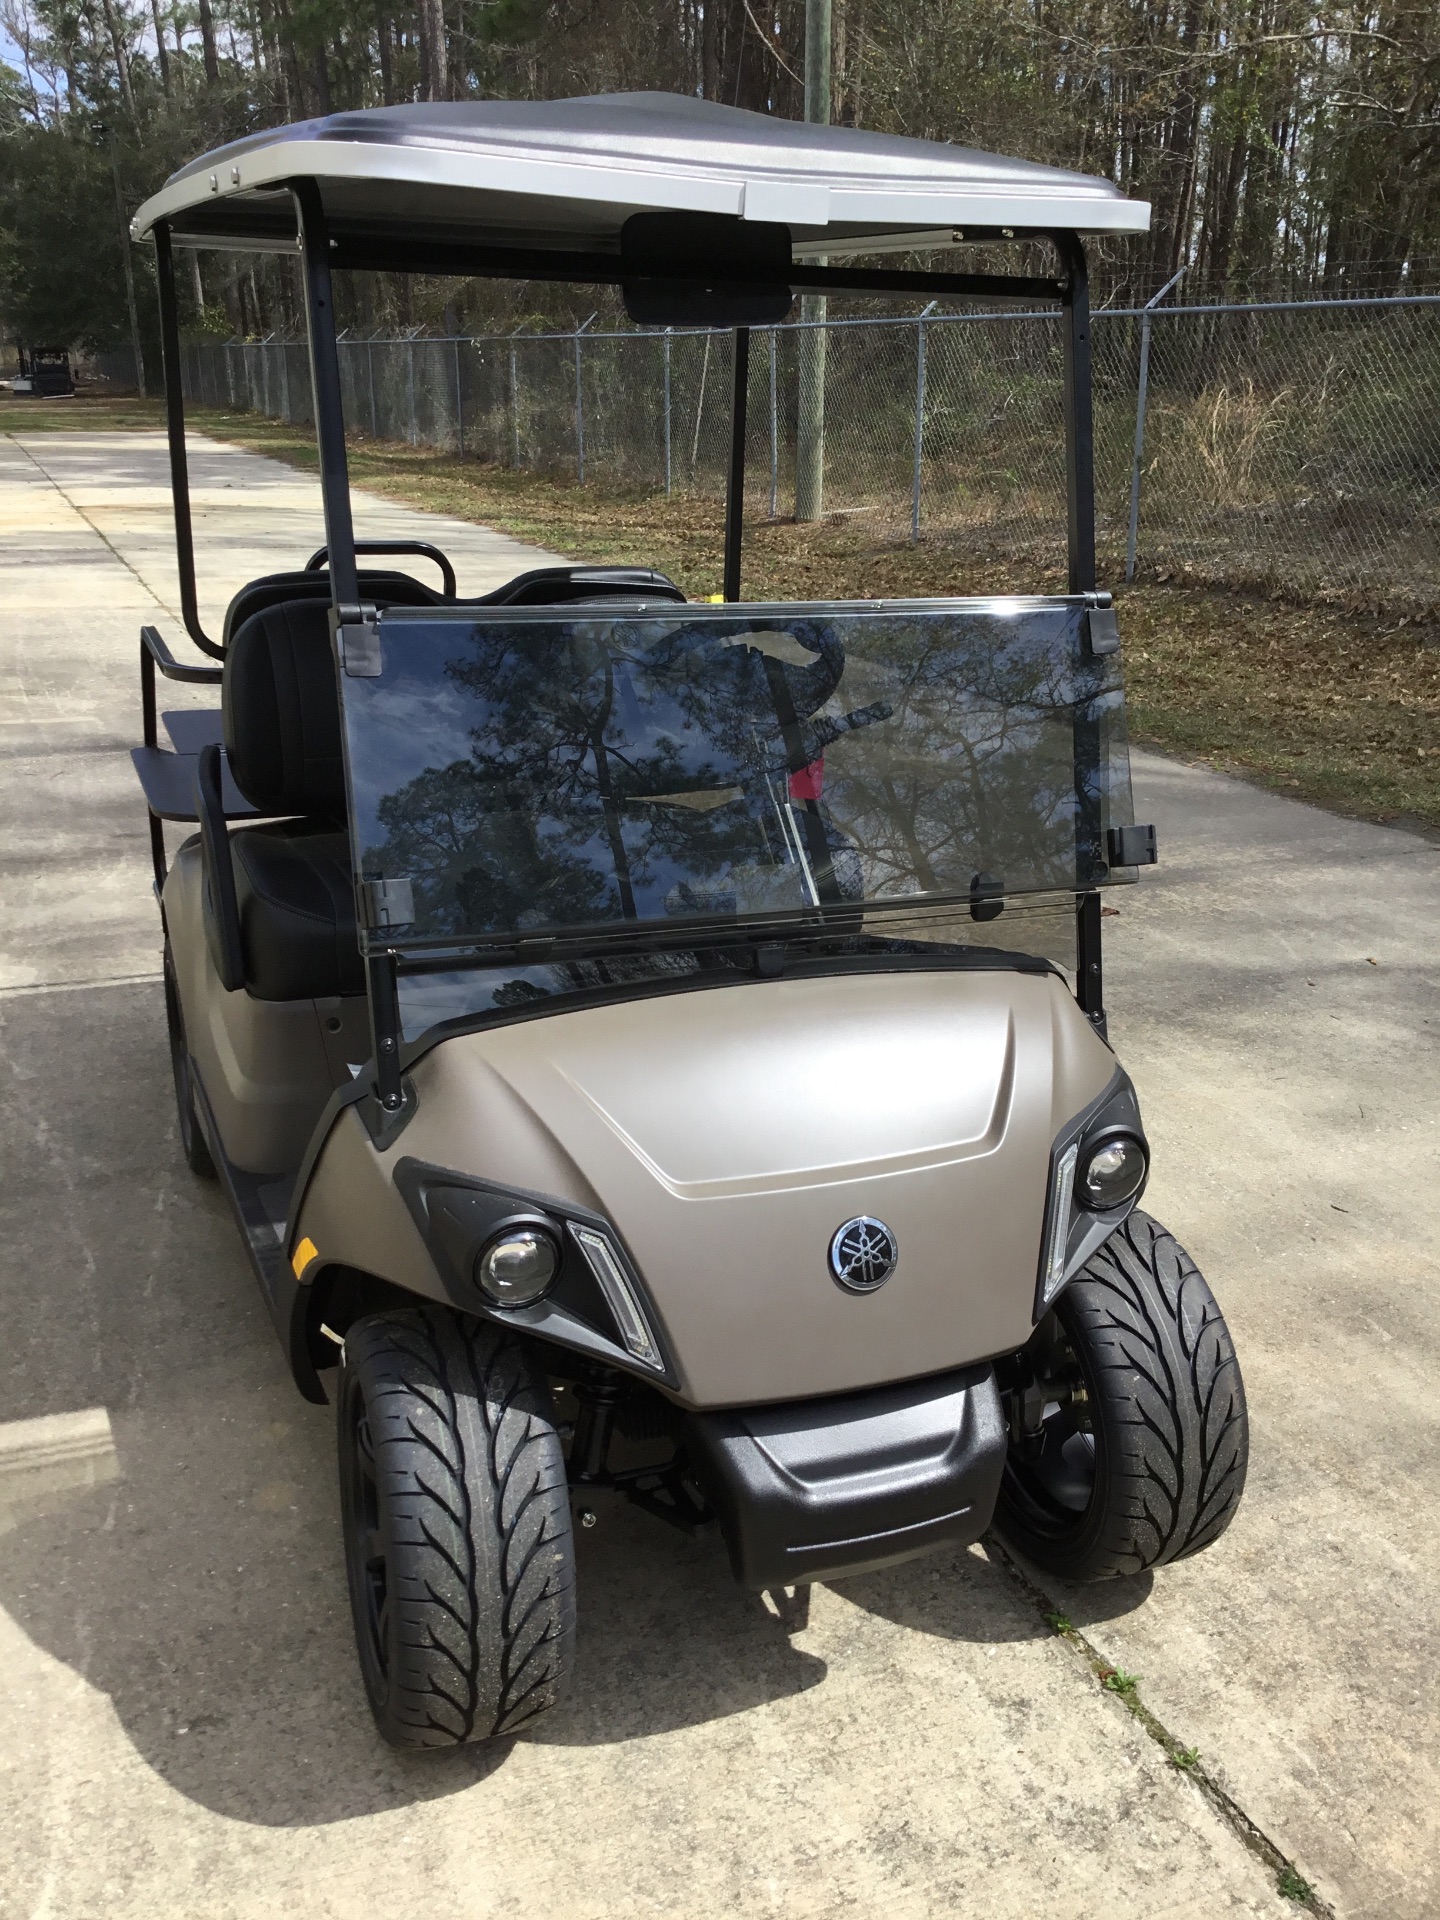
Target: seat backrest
point(555, 586)
point(282, 712)
point(281, 709)
point(382, 588)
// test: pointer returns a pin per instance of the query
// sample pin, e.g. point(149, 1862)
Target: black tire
point(1145, 1461)
point(456, 1515)
point(192, 1140)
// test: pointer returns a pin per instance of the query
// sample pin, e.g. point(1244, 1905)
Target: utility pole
point(810, 357)
point(106, 135)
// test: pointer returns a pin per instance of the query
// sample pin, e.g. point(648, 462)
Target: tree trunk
point(434, 78)
point(320, 68)
point(162, 51)
point(207, 40)
point(122, 63)
point(387, 71)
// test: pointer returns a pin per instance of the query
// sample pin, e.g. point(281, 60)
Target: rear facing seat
point(293, 892)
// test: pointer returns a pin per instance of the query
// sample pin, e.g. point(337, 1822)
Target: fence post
point(1132, 536)
point(374, 416)
point(459, 407)
point(580, 406)
point(284, 350)
point(919, 419)
point(668, 465)
point(410, 376)
point(812, 343)
point(514, 406)
point(774, 428)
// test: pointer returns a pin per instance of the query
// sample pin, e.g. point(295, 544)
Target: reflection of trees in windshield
point(976, 770)
point(602, 782)
point(641, 768)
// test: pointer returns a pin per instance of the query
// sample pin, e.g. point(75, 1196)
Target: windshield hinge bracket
point(357, 639)
point(1102, 631)
point(1133, 846)
point(387, 903)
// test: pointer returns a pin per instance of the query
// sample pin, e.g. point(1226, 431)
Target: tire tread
point(1169, 1410)
point(480, 1557)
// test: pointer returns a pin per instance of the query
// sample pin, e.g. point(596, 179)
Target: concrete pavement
point(182, 1728)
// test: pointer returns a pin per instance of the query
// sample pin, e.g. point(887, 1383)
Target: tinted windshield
point(539, 771)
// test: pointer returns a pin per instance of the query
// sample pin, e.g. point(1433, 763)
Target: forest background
point(1287, 149)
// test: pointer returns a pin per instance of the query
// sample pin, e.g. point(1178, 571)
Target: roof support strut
point(1079, 419)
point(325, 386)
point(175, 432)
point(735, 486)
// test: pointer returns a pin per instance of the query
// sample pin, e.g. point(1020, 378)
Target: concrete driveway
point(182, 1727)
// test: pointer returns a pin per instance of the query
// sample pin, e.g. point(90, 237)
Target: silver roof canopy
point(567, 174)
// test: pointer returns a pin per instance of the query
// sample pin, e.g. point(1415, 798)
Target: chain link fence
point(1291, 447)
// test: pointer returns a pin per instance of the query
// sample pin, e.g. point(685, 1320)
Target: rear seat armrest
point(154, 649)
point(154, 653)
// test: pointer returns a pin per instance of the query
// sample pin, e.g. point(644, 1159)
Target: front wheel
point(1128, 1432)
point(456, 1517)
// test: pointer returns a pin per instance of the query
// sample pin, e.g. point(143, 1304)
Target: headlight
point(515, 1269)
point(1112, 1172)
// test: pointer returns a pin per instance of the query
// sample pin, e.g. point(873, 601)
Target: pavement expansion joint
point(99, 532)
point(30, 987)
point(1288, 1879)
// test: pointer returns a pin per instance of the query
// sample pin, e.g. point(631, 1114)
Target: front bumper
point(816, 1489)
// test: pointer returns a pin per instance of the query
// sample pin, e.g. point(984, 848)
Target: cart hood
point(728, 1134)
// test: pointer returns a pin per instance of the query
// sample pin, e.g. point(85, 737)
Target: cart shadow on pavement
point(201, 1592)
point(971, 1596)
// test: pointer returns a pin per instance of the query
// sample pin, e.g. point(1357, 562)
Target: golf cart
point(44, 374)
point(657, 1046)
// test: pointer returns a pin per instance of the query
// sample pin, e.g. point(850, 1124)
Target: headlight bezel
point(1073, 1229)
point(461, 1216)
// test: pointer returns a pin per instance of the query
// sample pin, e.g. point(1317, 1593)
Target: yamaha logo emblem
point(863, 1254)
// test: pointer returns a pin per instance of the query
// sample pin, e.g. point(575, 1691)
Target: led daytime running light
point(615, 1285)
point(1061, 1193)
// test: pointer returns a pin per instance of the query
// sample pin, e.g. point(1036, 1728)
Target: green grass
point(85, 413)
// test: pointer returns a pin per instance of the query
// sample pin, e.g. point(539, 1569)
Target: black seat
point(382, 589)
point(280, 909)
point(296, 902)
point(287, 930)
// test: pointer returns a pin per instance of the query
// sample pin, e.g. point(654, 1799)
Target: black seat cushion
point(282, 712)
point(297, 912)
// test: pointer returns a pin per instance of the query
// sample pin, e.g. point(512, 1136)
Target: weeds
point(1117, 1680)
point(1293, 1886)
point(1227, 433)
